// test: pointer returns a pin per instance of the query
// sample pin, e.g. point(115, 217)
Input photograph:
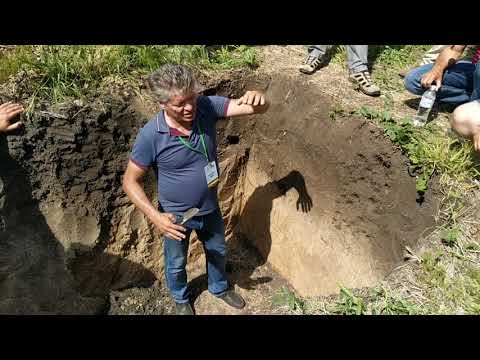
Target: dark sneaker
point(183, 309)
point(233, 299)
point(311, 64)
point(365, 83)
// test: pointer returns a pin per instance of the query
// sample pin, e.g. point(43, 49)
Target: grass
point(451, 235)
point(58, 72)
point(287, 298)
point(336, 111)
point(379, 301)
point(387, 303)
point(349, 304)
point(451, 285)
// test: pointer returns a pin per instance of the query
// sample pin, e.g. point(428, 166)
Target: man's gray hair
point(171, 78)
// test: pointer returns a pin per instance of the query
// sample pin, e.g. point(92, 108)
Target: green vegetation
point(57, 72)
point(452, 284)
point(349, 304)
point(388, 304)
point(336, 112)
point(287, 298)
point(451, 235)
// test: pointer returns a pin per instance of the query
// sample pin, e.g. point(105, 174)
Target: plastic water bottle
point(426, 105)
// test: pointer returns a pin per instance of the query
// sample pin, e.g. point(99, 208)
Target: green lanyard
point(186, 144)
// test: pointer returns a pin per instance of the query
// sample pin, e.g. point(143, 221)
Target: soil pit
point(317, 203)
point(327, 203)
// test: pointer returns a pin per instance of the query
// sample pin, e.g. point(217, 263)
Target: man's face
point(182, 107)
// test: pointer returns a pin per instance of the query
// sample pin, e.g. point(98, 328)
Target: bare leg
point(466, 122)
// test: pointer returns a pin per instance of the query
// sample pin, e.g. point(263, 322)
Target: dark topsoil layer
point(75, 155)
point(69, 155)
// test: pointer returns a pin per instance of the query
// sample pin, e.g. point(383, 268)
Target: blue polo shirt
point(181, 181)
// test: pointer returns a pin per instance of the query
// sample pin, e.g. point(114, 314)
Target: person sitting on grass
point(458, 83)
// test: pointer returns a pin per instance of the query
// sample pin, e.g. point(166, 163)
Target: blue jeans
point(211, 233)
point(460, 84)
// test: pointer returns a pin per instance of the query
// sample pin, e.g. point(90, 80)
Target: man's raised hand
point(252, 97)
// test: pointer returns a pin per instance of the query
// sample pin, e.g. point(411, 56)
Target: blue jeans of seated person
point(460, 84)
point(211, 233)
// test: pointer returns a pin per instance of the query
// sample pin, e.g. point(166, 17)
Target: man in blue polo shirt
point(179, 144)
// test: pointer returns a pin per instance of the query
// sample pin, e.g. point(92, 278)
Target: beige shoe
point(311, 64)
point(365, 83)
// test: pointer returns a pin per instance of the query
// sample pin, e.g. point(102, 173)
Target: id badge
point(211, 174)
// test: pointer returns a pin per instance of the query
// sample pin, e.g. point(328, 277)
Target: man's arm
point(132, 185)
point(8, 111)
point(448, 57)
point(253, 102)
